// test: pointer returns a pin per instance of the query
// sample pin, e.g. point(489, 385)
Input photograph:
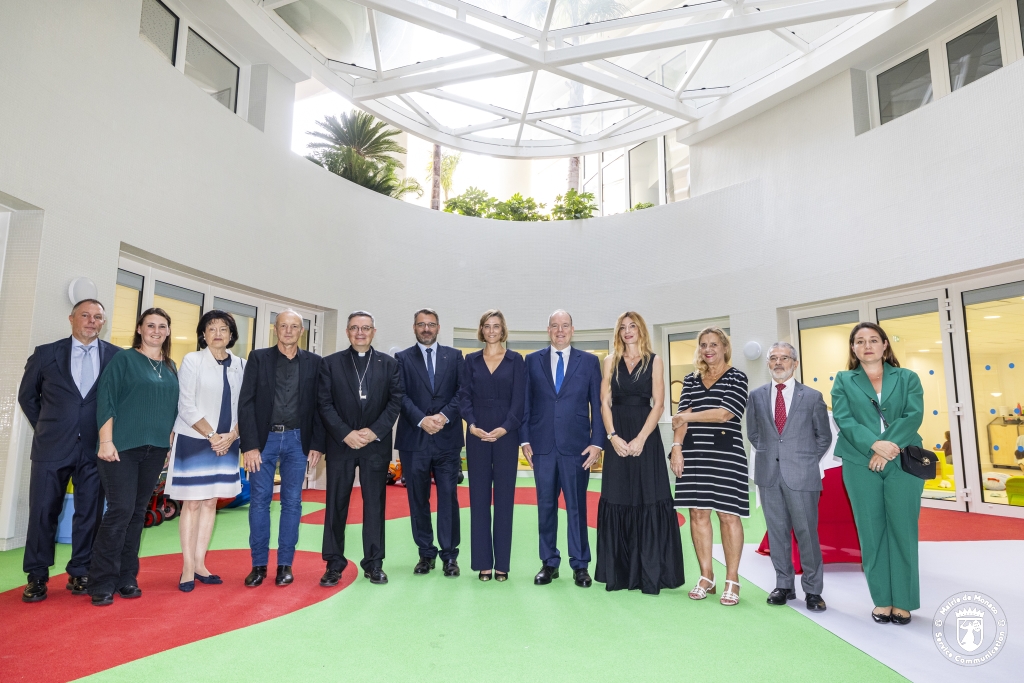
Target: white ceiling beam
point(691, 69)
point(793, 39)
point(346, 68)
point(430, 64)
point(271, 5)
point(622, 123)
point(372, 21)
point(480, 126)
point(435, 79)
point(701, 93)
point(577, 111)
point(543, 125)
point(628, 91)
point(423, 114)
point(639, 19)
point(473, 104)
point(526, 104)
point(464, 8)
point(805, 13)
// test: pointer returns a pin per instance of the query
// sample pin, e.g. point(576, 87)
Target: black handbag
point(914, 460)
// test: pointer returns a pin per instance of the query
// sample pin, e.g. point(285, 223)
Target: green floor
point(432, 628)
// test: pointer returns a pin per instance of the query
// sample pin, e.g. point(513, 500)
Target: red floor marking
point(163, 618)
point(397, 505)
point(950, 525)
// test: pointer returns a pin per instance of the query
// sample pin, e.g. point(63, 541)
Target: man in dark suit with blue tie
point(562, 435)
point(58, 395)
point(430, 438)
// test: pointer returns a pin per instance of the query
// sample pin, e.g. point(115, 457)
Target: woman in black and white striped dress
point(709, 461)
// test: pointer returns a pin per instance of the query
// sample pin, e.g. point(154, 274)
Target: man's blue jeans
point(286, 448)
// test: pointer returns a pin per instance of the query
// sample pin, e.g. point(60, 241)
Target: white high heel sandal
point(698, 592)
point(729, 597)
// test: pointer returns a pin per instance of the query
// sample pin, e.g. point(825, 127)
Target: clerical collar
point(362, 353)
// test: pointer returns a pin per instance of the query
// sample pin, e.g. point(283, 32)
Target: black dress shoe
point(485, 577)
point(256, 576)
point(78, 585)
point(881, 618)
point(35, 591)
point(284, 575)
point(815, 603)
point(545, 575)
point(129, 592)
point(330, 578)
point(582, 578)
point(451, 568)
point(898, 620)
point(780, 596)
point(187, 586)
point(424, 565)
point(376, 575)
point(102, 599)
point(501, 576)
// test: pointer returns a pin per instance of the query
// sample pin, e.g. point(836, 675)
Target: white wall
point(116, 146)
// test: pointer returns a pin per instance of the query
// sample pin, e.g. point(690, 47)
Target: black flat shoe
point(501, 576)
point(376, 576)
point(212, 579)
point(545, 575)
point(131, 592)
point(330, 578)
point(35, 591)
point(815, 603)
point(898, 620)
point(102, 599)
point(424, 566)
point(284, 575)
point(582, 578)
point(78, 585)
point(485, 577)
point(451, 568)
point(780, 596)
point(881, 618)
point(256, 576)
point(187, 586)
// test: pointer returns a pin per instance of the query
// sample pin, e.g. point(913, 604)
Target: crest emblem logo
point(969, 629)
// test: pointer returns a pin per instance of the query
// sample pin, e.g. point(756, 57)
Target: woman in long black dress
point(638, 542)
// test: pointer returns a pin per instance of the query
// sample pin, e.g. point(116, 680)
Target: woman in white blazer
point(204, 459)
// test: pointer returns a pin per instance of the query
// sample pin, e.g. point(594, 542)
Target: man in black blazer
point(58, 395)
point(430, 438)
point(278, 423)
point(360, 397)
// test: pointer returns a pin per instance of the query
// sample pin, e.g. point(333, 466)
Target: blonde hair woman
point(638, 544)
point(492, 398)
point(709, 461)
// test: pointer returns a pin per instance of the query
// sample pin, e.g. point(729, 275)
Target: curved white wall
point(117, 147)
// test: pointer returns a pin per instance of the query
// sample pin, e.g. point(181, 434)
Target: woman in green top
point(136, 405)
point(886, 500)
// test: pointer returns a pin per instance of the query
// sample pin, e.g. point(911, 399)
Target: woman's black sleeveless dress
point(638, 545)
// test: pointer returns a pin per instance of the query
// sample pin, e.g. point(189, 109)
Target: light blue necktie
point(430, 367)
point(559, 372)
point(88, 376)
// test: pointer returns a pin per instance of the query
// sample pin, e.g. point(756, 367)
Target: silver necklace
point(362, 396)
point(158, 368)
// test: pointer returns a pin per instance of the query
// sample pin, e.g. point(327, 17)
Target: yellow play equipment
point(1015, 491)
point(943, 476)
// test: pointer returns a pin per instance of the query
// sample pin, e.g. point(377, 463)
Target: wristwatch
point(674, 445)
point(612, 434)
point(211, 435)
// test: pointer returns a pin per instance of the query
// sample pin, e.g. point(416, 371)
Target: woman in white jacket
point(204, 460)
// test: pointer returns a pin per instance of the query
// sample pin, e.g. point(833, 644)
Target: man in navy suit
point(58, 395)
point(430, 438)
point(562, 436)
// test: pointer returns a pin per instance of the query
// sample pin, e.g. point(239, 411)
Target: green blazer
point(859, 426)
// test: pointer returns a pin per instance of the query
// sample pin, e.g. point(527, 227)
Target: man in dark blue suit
point(430, 438)
point(562, 436)
point(58, 395)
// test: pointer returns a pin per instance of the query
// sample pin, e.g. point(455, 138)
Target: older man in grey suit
point(787, 423)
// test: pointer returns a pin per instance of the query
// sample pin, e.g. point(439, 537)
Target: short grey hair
point(556, 312)
point(425, 311)
point(288, 311)
point(362, 314)
point(790, 349)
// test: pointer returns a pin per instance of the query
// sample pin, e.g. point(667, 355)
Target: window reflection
point(904, 88)
point(974, 54)
point(995, 349)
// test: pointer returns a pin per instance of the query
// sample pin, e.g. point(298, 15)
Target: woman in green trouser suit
point(886, 500)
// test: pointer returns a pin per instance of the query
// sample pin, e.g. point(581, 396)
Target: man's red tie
point(780, 409)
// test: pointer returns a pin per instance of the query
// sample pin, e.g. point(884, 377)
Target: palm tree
point(449, 162)
point(358, 148)
point(359, 131)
